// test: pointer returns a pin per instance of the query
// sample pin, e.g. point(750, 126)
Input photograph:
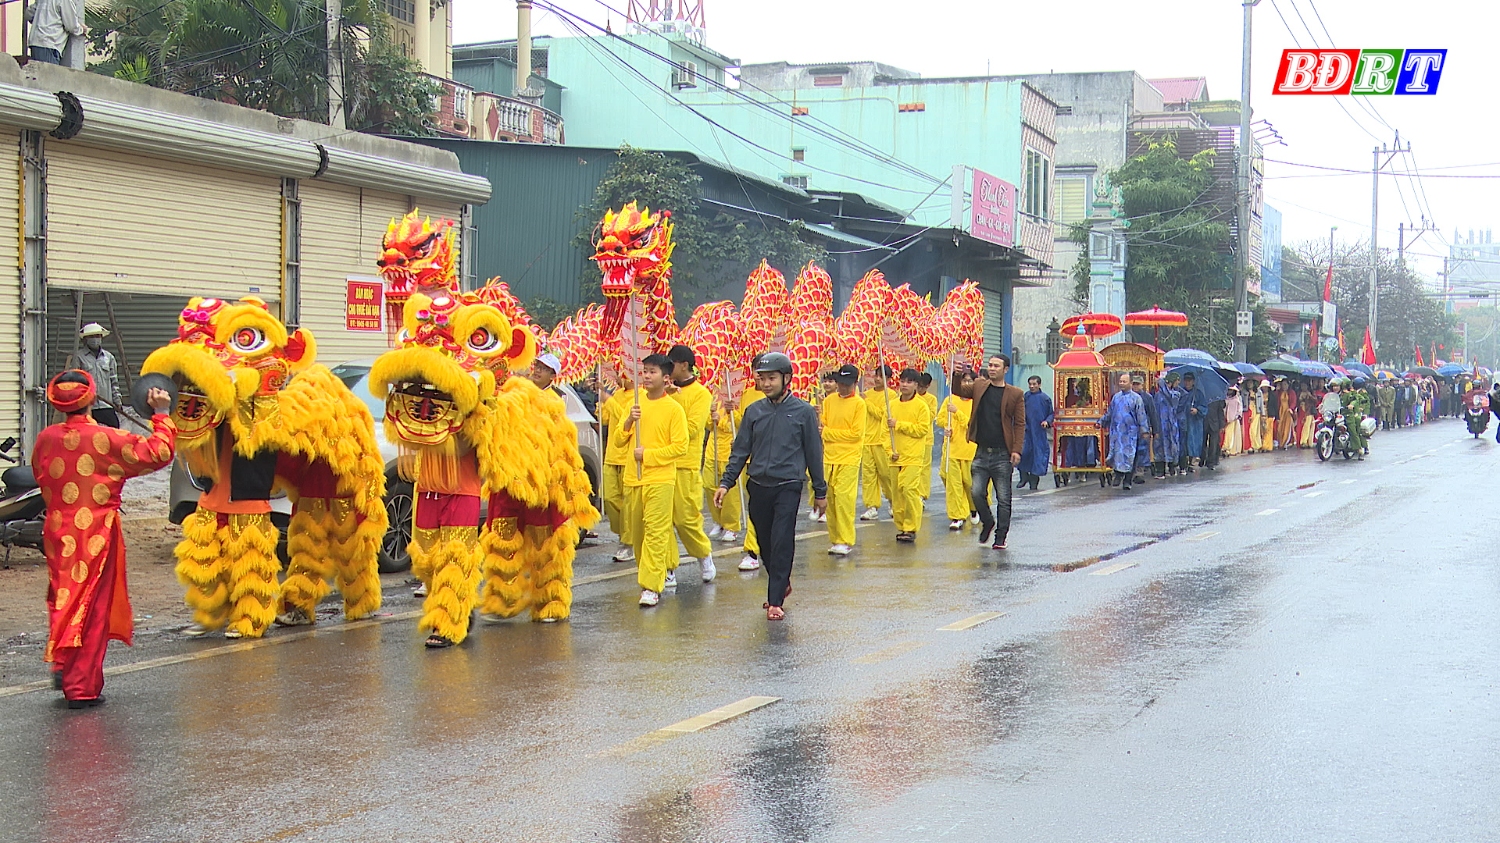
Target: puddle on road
point(1011, 712)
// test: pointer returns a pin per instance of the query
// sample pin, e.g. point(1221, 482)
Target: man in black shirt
point(997, 427)
point(780, 440)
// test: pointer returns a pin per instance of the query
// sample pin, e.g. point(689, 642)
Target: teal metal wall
point(525, 232)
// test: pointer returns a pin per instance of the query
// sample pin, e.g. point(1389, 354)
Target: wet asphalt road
point(1285, 651)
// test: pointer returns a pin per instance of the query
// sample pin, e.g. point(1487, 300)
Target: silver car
point(400, 500)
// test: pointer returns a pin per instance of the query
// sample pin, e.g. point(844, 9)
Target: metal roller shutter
point(10, 288)
point(342, 228)
point(145, 323)
point(994, 323)
point(135, 224)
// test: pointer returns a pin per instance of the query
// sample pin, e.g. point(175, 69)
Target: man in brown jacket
point(998, 427)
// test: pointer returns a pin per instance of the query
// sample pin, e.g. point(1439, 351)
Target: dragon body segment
point(255, 412)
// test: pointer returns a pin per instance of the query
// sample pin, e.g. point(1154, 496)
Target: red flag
point(1419, 356)
point(1328, 284)
point(1343, 349)
point(1367, 351)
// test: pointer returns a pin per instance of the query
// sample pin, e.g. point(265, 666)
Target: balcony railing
point(467, 113)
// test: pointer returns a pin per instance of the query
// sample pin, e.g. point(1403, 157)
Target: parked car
point(400, 500)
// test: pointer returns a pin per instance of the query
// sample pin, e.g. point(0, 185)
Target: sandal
point(774, 613)
point(438, 642)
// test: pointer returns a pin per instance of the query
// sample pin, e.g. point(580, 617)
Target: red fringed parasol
point(1092, 324)
point(1156, 319)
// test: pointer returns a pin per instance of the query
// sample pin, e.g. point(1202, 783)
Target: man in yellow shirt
point(924, 392)
point(911, 422)
point(687, 511)
point(658, 438)
point(958, 449)
point(843, 421)
point(877, 475)
point(612, 415)
point(728, 519)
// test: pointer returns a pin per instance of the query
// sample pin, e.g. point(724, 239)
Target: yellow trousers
point(730, 515)
point(843, 486)
point(651, 528)
point(957, 484)
point(687, 515)
point(877, 475)
point(906, 506)
point(614, 499)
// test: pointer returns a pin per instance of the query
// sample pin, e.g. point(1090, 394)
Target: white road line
point(1203, 536)
point(1268, 512)
point(971, 622)
point(1312, 494)
point(1346, 482)
point(890, 652)
point(719, 715)
point(1112, 569)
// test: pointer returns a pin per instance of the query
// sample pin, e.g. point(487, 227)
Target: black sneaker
point(999, 543)
point(984, 534)
point(77, 704)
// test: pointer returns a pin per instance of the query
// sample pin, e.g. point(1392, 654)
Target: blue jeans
point(991, 467)
point(46, 54)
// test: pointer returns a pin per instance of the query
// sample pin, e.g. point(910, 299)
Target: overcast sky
point(1454, 128)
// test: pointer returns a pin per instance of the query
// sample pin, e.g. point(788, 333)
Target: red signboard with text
point(992, 216)
point(362, 307)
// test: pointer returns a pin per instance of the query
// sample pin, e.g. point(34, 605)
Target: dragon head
point(453, 351)
point(417, 257)
point(227, 356)
point(634, 249)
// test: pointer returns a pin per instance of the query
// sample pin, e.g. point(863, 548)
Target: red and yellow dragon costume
point(255, 413)
point(468, 431)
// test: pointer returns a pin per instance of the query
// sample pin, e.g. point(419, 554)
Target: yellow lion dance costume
point(256, 414)
point(468, 432)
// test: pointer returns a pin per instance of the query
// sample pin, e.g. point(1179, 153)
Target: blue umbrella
point(1314, 369)
point(1189, 357)
point(1356, 367)
point(1452, 370)
point(1249, 369)
point(1210, 381)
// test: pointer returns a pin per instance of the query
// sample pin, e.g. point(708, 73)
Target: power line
point(777, 158)
point(841, 138)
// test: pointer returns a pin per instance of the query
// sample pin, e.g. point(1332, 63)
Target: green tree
point(715, 251)
point(1408, 316)
point(266, 54)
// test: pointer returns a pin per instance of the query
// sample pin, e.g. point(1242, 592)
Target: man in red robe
point(81, 467)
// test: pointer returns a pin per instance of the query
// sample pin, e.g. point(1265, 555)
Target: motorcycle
point(22, 509)
point(1332, 437)
point(1477, 413)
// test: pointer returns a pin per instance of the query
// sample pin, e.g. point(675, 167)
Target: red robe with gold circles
point(81, 468)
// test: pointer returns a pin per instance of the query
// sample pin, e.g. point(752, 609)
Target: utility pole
point(1247, 148)
point(335, 14)
point(1375, 169)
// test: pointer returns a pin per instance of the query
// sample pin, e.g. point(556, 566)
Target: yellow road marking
point(691, 725)
point(970, 622)
point(1112, 569)
point(890, 652)
point(1203, 536)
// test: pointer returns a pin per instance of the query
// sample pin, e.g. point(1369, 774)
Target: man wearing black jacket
point(780, 439)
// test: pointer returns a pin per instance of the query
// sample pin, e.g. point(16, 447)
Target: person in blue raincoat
point(1037, 452)
point(1192, 411)
point(1145, 446)
point(1128, 425)
point(1169, 436)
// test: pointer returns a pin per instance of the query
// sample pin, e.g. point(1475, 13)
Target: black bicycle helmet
point(774, 361)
